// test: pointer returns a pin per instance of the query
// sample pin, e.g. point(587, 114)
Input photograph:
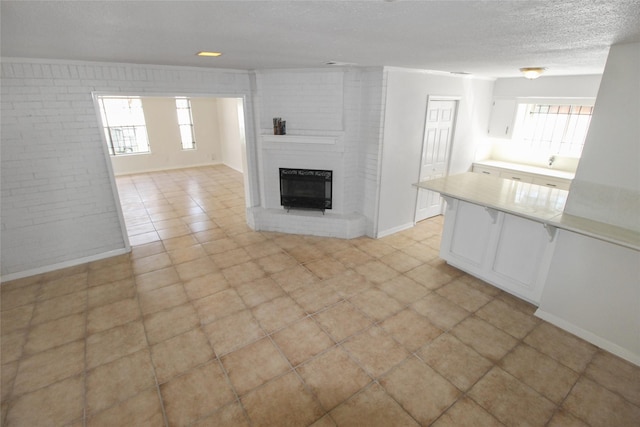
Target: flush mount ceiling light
point(532, 72)
point(205, 53)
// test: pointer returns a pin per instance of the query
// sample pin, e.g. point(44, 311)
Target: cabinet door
point(469, 234)
point(521, 256)
point(502, 117)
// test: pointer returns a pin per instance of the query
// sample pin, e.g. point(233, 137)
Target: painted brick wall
point(57, 198)
point(342, 103)
point(309, 100)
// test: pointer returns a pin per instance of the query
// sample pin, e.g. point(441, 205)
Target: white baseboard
point(65, 264)
point(590, 337)
point(169, 168)
point(394, 230)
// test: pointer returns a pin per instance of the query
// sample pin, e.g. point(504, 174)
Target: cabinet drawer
point(486, 170)
point(516, 176)
point(562, 184)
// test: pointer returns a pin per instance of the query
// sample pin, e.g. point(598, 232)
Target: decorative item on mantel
point(279, 126)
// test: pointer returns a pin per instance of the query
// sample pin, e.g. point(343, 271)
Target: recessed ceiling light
point(205, 53)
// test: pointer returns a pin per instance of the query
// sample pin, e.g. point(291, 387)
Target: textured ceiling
point(488, 38)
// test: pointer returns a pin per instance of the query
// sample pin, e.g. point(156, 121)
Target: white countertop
point(535, 202)
point(555, 173)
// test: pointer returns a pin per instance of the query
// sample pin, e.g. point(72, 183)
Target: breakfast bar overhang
point(517, 237)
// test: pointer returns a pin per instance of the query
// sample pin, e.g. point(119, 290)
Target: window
point(185, 123)
point(556, 129)
point(124, 126)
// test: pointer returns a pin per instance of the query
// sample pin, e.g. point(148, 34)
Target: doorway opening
point(171, 188)
point(439, 130)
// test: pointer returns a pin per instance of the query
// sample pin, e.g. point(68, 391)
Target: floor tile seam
point(520, 343)
point(20, 360)
point(475, 314)
point(469, 348)
point(279, 375)
point(138, 291)
point(33, 354)
point(393, 313)
point(220, 409)
point(544, 322)
point(11, 400)
point(589, 376)
point(360, 364)
point(21, 305)
point(405, 305)
point(504, 297)
point(85, 371)
point(362, 390)
point(388, 393)
point(25, 332)
point(265, 334)
point(153, 365)
point(309, 390)
point(281, 351)
point(444, 331)
point(384, 390)
point(584, 376)
point(226, 376)
point(90, 415)
point(324, 308)
point(496, 365)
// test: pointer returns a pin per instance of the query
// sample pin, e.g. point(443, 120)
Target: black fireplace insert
point(306, 188)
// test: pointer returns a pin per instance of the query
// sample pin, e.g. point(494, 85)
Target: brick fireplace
point(318, 153)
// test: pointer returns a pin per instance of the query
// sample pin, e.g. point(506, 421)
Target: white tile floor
point(209, 323)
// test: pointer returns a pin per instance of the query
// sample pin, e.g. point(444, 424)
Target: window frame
point(110, 130)
point(546, 146)
point(189, 125)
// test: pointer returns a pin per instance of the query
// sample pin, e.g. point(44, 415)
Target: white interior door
point(436, 147)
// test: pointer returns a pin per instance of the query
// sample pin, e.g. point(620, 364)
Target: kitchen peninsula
point(506, 233)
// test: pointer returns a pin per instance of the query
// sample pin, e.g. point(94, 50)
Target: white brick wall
point(57, 198)
point(307, 99)
point(371, 122)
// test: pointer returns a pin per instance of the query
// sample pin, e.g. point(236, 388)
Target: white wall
point(164, 137)
point(404, 118)
point(230, 139)
point(592, 287)
point(592, 291)
point(607, 183)
point(58, 201)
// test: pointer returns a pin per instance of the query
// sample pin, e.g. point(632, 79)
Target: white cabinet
point(510, 252)
point(468, 240)
point(528, 174)
point(502, 118)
